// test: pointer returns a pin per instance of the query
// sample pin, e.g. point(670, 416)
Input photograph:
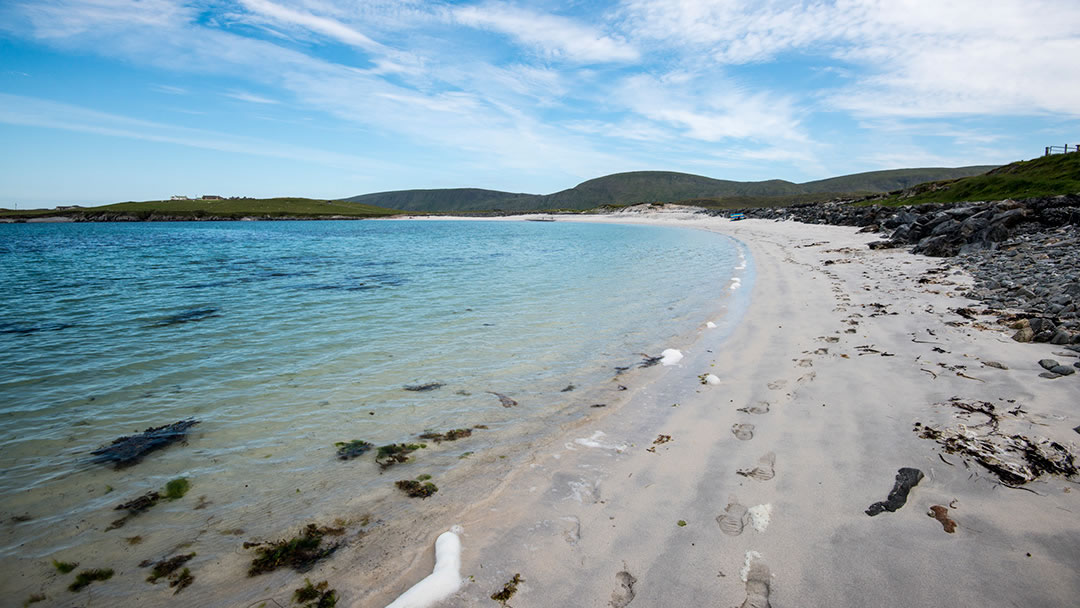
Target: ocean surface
point(282, 338)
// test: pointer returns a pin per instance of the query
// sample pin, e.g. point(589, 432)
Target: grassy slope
point(1044, 176)
point(667, 186)
point(233, 208)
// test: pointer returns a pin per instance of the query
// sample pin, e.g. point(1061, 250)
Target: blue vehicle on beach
point(736, 217)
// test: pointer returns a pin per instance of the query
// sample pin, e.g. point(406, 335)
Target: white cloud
point(322, 25)
point(251, 97)
point(554, 36)
point(37, 112)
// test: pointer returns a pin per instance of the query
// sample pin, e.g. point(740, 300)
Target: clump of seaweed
point(509, 589)
point(176, 488)
point(315, 596)
point(347, 450)
point(416, 489)
point(64, 567)
point(388, 455)
point(165, 568)
point(299, 553)
point(423, 388)
point(34, 598)
point(86, 577)
point(133, 508)
point(181, 580)
point(451, 435)
point(128, 450)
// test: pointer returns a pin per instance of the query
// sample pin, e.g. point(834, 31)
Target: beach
point(752, 487)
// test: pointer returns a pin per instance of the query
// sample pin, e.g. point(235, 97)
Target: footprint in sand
point(625, 593)
point(807, 377)
point(776, 385)
point(765, 469)
point(734, 518)
point(805, 363)
point(761, 407)
point(743, 432)
point(571, 529)
point(756, 575)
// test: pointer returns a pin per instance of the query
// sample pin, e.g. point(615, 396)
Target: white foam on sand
point(710, 325)
point(671, 356)
point(760, 516)
point(736, 282)
point(445, 578)
point(712, 379)
point(750, 557)
point(593, 441)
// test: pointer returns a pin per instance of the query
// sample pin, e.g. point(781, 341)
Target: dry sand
point(841, 352)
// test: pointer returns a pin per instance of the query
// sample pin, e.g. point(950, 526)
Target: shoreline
point(848, 355)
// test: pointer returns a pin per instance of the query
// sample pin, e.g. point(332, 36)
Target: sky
point(113, 100)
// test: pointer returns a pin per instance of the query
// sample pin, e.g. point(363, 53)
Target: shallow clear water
point(284, 337)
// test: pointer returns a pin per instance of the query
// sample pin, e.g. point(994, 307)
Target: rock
point(1061, 337)
point(1024, 335)
point(1063, 370)
point(1048, 364)
point(1049, 375)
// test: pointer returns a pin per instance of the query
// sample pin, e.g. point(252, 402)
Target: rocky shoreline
point(1024, 254)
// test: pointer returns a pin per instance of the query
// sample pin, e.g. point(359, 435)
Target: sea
point(282, 339)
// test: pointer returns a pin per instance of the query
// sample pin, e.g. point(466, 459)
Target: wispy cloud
point(326, 26)
point(170, 89)
point(251, 97)
point(36, 112)
point(553, 36)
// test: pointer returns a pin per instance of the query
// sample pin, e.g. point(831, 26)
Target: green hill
point(233, 208)
point(1043, 176)
point(655, 186)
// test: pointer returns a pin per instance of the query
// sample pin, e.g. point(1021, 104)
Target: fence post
point(1047, 151)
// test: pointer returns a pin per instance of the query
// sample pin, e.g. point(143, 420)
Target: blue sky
point(110, 100)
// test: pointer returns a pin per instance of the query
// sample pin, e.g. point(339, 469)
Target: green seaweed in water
point(180, 580)
point(388, 455)
point(166, 567)
point(177, 488)
point(347, 450)
point(299, 553)
point(415, 489)
point(315, 596)
point(86, 577)
point(64, 567)
point(509, 589)
point(451, 435)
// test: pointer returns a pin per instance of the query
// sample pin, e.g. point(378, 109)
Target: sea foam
point(671, 356)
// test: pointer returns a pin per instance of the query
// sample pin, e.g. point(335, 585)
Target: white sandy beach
point(840, 354)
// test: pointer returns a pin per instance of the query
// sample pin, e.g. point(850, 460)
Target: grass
point(228, 209)
point(1044, 176)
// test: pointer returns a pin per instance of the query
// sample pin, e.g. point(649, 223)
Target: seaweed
point(315, 596)
point(181, 580)
point(415, 489)
point(649, 361)
point(681, 523)
point(451, 435)
point(388, 455)
point(504, 400)
point(299, 553)
point(423, 388)
point(34, 598)
point(128, 450)
point(64, 567)
point(134, 507)
point(176, 488)
point(509, 589)
point(86, 577)
point(347, 450)
point(167, 567)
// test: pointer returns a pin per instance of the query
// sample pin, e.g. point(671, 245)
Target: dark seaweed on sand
point(451, 435)
point(509, 589)
point(347, 450)
point(167, 567)
point(86, 577)
point(299, 553)
point(416, 489)
point(128, 450)
point(315, 596)
point(391, 454)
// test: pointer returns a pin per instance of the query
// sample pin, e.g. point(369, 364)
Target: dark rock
point(906, 478)
point(1063, 370)
point(1048, 363)
point(1049, 375)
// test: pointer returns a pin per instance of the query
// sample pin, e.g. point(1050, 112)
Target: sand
point(816, 395)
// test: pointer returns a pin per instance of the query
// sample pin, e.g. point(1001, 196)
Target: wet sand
point(754, 490)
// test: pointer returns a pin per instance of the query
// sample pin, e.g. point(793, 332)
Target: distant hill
point(233, 208)
point(654, 186)
point(1043, 176)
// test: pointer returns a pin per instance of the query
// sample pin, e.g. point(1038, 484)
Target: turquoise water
point(284, 337)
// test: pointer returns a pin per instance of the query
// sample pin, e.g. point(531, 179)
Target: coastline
point(849, 350)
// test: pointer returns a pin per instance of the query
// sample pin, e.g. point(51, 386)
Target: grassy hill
point(656, 186)
point(229, 208)
point(1043, 176)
